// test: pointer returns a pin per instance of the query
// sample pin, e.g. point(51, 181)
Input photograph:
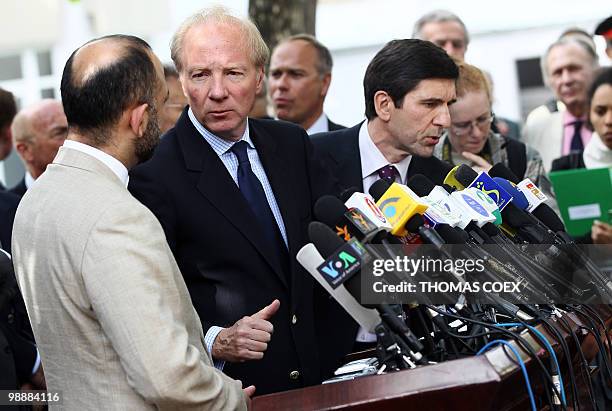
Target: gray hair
point(252, 37)
point(567, 40)
point(325, 63)
point(438, 16)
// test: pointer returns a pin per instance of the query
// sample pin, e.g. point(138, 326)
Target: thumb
point(249, 391)
point(268, 311)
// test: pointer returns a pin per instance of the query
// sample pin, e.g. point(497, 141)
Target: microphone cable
point(494, 343)
point(522, 343)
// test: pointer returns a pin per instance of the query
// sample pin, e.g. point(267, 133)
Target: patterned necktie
point(388, 173)
point(576, 144)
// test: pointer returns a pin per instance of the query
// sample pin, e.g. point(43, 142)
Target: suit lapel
point(218, 187)
point(348, 158)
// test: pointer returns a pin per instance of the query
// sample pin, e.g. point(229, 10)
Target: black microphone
point(542, 212)
point(328, 243)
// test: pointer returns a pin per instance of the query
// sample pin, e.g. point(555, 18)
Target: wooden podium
point(488, 382)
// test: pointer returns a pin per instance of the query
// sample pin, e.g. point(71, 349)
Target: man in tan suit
point(110, 311)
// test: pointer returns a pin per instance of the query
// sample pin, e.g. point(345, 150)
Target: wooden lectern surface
point(488, 382)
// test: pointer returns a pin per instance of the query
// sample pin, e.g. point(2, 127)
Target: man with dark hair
point(300, 74)
point(408, 87)
point(234, 196)
point(109, 307)
point(176, 99)
point(8, 109)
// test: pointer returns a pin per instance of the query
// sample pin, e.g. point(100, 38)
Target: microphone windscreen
point(448, 188)
point(450, 235)
point(519, 198)
point(414, 223)
point(329, 210)
point(326, 241)
point(346, 194)
point(378, 189)
point(421, 185)
point(547, 216)
point(465, 175)
point(500, 170)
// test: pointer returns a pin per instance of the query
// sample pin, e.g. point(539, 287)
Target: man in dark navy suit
point(408, 87)
point(234, 196)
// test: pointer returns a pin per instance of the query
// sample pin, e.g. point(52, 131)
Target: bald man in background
point(38, 132)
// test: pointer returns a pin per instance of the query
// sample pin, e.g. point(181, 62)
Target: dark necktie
point(576, 145)
point(253, 192)
point(388, 173)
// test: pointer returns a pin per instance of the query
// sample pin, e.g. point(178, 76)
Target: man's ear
point(259, 80)
point(326, 83)
point(139, 118)
point(24, 150)
point(383, 104)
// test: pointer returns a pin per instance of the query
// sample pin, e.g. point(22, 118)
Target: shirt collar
point(219, 145)
point(372, 159)
point(569, 119)
point(319, 126)
point(111, 162)
point(29, 180)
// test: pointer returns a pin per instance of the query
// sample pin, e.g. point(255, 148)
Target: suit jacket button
point(294, 375)
point(294, 319)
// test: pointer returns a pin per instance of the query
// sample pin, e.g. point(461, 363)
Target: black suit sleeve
point(149, 191)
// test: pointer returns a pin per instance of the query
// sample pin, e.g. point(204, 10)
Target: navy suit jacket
point(340, 150)
point(20, 189)
point(227, 268)
point(331, 126)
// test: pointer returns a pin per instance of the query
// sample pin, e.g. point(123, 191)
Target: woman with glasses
point(470, 140)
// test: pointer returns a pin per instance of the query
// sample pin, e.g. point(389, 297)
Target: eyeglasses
point(482, 122)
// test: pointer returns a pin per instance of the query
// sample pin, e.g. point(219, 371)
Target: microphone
point(518, 198)
point(534, 195)
point(331, 247)
point(367, 205)
point(347, 222)
point(483, 182)
point(310, 258)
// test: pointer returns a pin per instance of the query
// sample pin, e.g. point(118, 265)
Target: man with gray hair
point(445, 30)
point(300, 74)
point(235, 196)
point(38, 132)
point(556, 130)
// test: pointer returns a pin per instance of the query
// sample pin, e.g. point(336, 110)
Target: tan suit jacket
point(109, 308)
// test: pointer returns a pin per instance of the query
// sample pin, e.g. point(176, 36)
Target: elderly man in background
point(568, 67)
point(300, 75)
point(176, 99)
point(38, 132)
point(444, 29)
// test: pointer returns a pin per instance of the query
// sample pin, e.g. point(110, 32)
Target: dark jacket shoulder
point(568, 162)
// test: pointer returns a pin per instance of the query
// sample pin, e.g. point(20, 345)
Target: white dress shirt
point(111, 162)
point(319, 126)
